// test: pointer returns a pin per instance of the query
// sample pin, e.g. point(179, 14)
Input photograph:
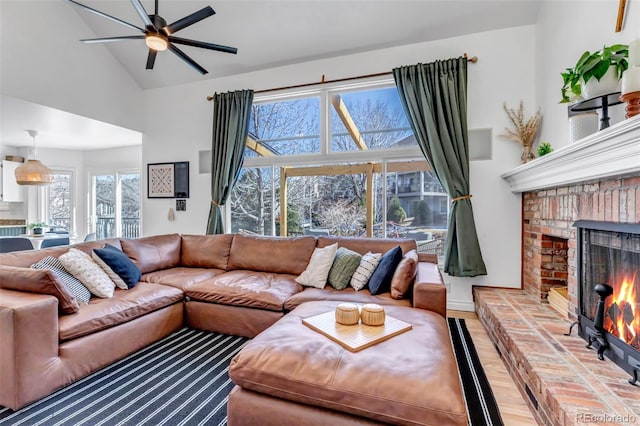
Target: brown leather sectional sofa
point(233, 284)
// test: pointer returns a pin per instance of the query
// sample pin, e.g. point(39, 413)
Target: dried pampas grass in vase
point(524, 132)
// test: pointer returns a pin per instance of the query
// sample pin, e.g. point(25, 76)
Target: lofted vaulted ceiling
point(274, 33)
point(267, 33)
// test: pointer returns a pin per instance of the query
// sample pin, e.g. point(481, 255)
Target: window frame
point(117, 173)
point(327, 157)
point(45, 194)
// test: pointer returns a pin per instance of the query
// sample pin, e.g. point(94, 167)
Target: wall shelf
point(614, 151)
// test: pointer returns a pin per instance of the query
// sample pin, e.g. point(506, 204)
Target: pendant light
point(33, 172)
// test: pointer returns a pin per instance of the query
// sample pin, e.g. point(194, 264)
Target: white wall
point(565, 29)
point(57, 70)
point(504, 72)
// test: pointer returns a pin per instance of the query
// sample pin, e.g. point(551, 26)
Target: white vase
point(609, 83)
point(582, 125)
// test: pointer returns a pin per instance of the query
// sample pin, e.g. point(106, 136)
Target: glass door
point(116, 205)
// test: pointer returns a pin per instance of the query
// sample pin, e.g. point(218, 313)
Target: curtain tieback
point(215, 203)
point(462, 197)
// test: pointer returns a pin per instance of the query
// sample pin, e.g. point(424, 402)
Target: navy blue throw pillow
point(380, 281)
point(120, 264)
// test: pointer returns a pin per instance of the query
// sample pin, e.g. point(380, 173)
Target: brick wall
point(548, 233)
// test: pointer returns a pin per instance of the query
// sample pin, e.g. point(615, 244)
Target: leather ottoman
point(290, 374)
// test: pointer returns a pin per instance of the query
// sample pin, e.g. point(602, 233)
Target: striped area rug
point(183, 380)
point(180, 380)
point(481, 404)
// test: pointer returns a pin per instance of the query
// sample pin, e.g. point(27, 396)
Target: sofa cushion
point(409, 379)
point(271, 254)
point(153, 253)
point(206, 251)
point(88, 272)
point(317, 271)
point(120, 268)
point(181, 277)
point(125, 305)
point(363, 272)
point(41, 281)
point(79, 291)
point(380, 281)
point(364, 245)
point(262, 290)
point(404, 275)
point(344, 265)
point(347, 295)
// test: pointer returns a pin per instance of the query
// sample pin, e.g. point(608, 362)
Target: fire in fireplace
point(608, 291)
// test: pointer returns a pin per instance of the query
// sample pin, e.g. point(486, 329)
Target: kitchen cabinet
point(11, 191)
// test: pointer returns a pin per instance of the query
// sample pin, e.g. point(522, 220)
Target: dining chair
point(14, 244)
point(53, 242)
point(90, 237)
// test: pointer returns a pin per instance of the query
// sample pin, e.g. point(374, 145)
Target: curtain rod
point(473, 60)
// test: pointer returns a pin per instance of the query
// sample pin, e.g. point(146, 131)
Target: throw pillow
point(124, 273)
point(88, 272)
point(380, 281)
point(362, 274)
point(38, 281)
point(319, 266)
point(344, 265)
point(404, 275)
point(81, 293)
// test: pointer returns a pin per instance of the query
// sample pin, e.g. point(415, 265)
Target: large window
point(336, 161)
point(59, 201)
point(116, 205)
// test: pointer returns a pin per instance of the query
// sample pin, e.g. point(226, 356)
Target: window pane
point(105, 202)
point(284, 128)
point(60, 208)
point(130, 205)
point(376, 115)
point(327, 204)
point(251, 202)
point(417, 205)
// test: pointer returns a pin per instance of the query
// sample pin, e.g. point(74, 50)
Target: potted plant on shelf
point(595, 74)
point(37, 227)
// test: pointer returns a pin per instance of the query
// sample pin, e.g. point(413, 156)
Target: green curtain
point(231, 113)
point(434, 97)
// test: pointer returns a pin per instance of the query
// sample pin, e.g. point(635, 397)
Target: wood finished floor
point(512, 406)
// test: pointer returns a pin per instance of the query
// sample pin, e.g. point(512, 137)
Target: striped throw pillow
point(79, 291)
point(368, 264)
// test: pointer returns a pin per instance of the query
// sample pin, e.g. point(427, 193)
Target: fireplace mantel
point(614, 151)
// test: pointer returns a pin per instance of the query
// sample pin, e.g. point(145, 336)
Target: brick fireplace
point(564, 383)
point(548, 217)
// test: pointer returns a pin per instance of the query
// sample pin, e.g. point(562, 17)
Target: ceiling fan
point(158, 36)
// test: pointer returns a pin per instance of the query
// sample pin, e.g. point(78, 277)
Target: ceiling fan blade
point(151, 59)
point(187, 59)
point(110, 39)
point(104, 15)
point(143, 13)
point(203, 45)
point(198, 16)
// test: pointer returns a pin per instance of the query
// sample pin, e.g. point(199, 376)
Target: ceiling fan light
point(156, 42)
point(33, 172)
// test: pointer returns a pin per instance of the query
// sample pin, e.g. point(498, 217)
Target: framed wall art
point(168, 180)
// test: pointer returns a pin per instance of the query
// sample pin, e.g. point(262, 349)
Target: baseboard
point(455, 305)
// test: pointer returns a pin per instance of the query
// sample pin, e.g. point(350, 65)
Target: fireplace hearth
point(609, 292)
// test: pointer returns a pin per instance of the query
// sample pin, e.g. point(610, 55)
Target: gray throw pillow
point(344, 265)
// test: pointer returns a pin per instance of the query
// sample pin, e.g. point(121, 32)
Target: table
point(36, 240)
